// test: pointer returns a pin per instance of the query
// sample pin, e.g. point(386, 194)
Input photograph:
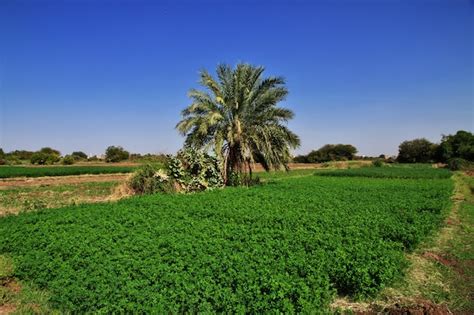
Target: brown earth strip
point(9, 183)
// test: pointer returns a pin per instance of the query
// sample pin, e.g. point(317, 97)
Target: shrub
point(42, 158)
point(458, 164)
point(416, 151)
point(149, 180)
point(79, 155)
point(377, 163)
point(116, 154)
point(68, 160)
point(93, 159)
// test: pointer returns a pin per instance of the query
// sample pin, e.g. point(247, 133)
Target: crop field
point(21, 171)
point(419, 172)
point(292, 244)
point(18, 199)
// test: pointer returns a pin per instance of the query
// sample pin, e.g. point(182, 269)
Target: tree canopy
point(239, 118)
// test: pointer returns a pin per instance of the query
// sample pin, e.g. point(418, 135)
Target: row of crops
point(22, 171)
point(290, 245)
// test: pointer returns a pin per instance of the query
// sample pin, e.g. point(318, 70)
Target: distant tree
point(459, 145)
point(415, 151)
point(332, 152)
point(93, 159)
point(79, 155)
point(20, 154)
point(2, 157)
point(68, 160)
point(42, 158)
point(49, 150)
point(300, 159)
point(116, 154)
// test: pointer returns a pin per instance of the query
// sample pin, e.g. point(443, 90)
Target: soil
point(9, 183)
point(7, 309)
point(420, 307)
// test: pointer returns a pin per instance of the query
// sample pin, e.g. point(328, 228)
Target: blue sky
point(82, 75)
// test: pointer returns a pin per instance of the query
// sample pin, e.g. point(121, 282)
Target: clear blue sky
point(82, 75)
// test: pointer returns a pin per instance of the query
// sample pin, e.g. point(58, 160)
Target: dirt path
point(9, 183)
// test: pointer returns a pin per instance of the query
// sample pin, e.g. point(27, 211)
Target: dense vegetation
point(328, 152)
point(389, 172)
point(287, 245)
point(457, 146)
point(22, 171)
point(238, 117)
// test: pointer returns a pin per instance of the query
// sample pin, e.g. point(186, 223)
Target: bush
point(188, 171)
point(149, 180)
point(68, 160)
point(416, 151)
point(458, 164)
point(116, 154)
point(330, 152)
point(377, 163)
point(42, 158)
point(79, 155)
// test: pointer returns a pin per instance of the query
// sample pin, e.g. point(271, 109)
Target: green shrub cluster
point(389, 172)
point(20, 171)
point(188, 171)
point(287, 246)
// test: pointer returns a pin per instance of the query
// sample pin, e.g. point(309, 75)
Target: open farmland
point(23, 171)
point(420, 172)
point(291, 244)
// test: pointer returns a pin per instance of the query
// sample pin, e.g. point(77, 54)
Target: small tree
point(459, 145)
point(48, 150)
point(116, 154)
point(79, 155)
point(415, 151)
point(68, 160)
point(42, 158)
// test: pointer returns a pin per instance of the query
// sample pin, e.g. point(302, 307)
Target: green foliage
point(460, 145)
point(68, 160)
point(330, 152)
point(44, 158)
point(239, 118)
point(20, 171)
point(300, 159)
point(377, 163)
point(286, 246)
point(116, 154)
point(416, 151)
point(149, 180)
point(51, 151)
point(420, 172)
point(93, 158)
point(189, 171)
point(79, 155)
point(458, 164)
point(21, 154)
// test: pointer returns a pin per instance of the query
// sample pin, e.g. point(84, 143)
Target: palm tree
point(239, 118)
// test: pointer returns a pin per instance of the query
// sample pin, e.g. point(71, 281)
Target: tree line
point(50, 156)
point(459, 147)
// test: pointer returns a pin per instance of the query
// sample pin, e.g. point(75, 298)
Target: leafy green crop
point(289, 245)
point(390, 172)
point(21, 171)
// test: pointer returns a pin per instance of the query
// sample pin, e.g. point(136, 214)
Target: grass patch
point(23, 171)
point(37, 197)
point(418, 172)
point(290, 246)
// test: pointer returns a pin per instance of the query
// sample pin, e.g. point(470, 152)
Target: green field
point(291, 245)
point(398, 171)
point(23, 171)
